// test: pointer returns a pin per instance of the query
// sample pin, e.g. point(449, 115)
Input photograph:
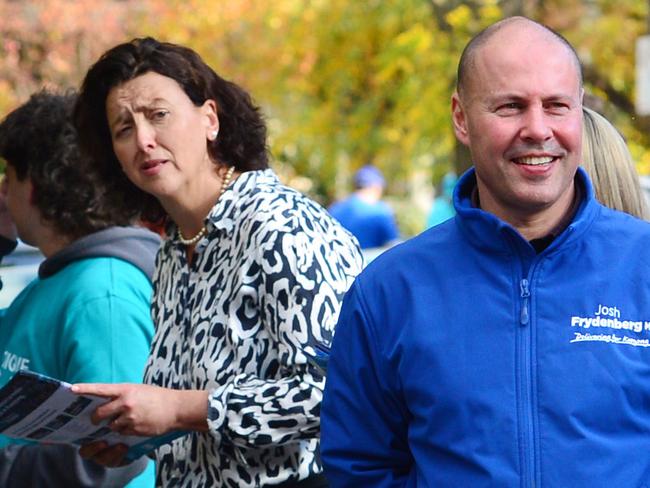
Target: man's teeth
point(534, 161)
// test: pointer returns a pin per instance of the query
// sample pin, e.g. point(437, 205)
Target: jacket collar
point(488, 231)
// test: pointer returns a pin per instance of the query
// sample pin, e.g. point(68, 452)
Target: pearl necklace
point(193, 240)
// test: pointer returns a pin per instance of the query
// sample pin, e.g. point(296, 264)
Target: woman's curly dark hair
point(242, 131)
point(39, 142)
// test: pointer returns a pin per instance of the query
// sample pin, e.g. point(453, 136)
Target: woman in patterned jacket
point(250, 277)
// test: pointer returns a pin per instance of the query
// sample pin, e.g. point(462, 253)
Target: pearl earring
point(213, 134)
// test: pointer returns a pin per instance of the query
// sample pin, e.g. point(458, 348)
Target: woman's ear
point(209, 110)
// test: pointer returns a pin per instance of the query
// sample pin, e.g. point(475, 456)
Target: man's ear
point(459, 120)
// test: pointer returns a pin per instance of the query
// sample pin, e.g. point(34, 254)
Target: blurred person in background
point(443, 207)
point(85, 318)
point(363, 213)
point(250, 277)
point(611, 168)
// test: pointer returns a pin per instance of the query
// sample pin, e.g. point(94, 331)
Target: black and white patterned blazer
point(266, 281)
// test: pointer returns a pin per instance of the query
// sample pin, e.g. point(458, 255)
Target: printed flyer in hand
point(37, 408)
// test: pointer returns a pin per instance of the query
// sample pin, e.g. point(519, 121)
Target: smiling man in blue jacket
point(509, 346)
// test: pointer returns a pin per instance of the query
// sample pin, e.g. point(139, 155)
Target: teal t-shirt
point(90, 322)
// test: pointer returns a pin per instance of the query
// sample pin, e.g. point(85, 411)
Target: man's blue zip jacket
point(462, 358)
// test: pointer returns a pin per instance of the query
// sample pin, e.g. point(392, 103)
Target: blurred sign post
point(643, 76)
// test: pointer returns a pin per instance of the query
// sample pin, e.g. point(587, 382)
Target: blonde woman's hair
point(608, 161)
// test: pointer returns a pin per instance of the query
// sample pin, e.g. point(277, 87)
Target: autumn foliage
point(342, 82)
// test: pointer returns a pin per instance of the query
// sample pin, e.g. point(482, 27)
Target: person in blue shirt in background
point(86, 316)
point(363, 213)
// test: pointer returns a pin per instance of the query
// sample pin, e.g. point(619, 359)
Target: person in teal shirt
point(86, 317)
point(443, 207)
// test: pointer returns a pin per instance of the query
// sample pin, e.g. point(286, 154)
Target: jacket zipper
point(525, 369)
point(525, 295)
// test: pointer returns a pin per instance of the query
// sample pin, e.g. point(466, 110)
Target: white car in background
point(17, 270)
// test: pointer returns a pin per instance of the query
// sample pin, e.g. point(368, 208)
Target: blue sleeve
point(364, 423)
point(385, 224)
point(391, 232)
